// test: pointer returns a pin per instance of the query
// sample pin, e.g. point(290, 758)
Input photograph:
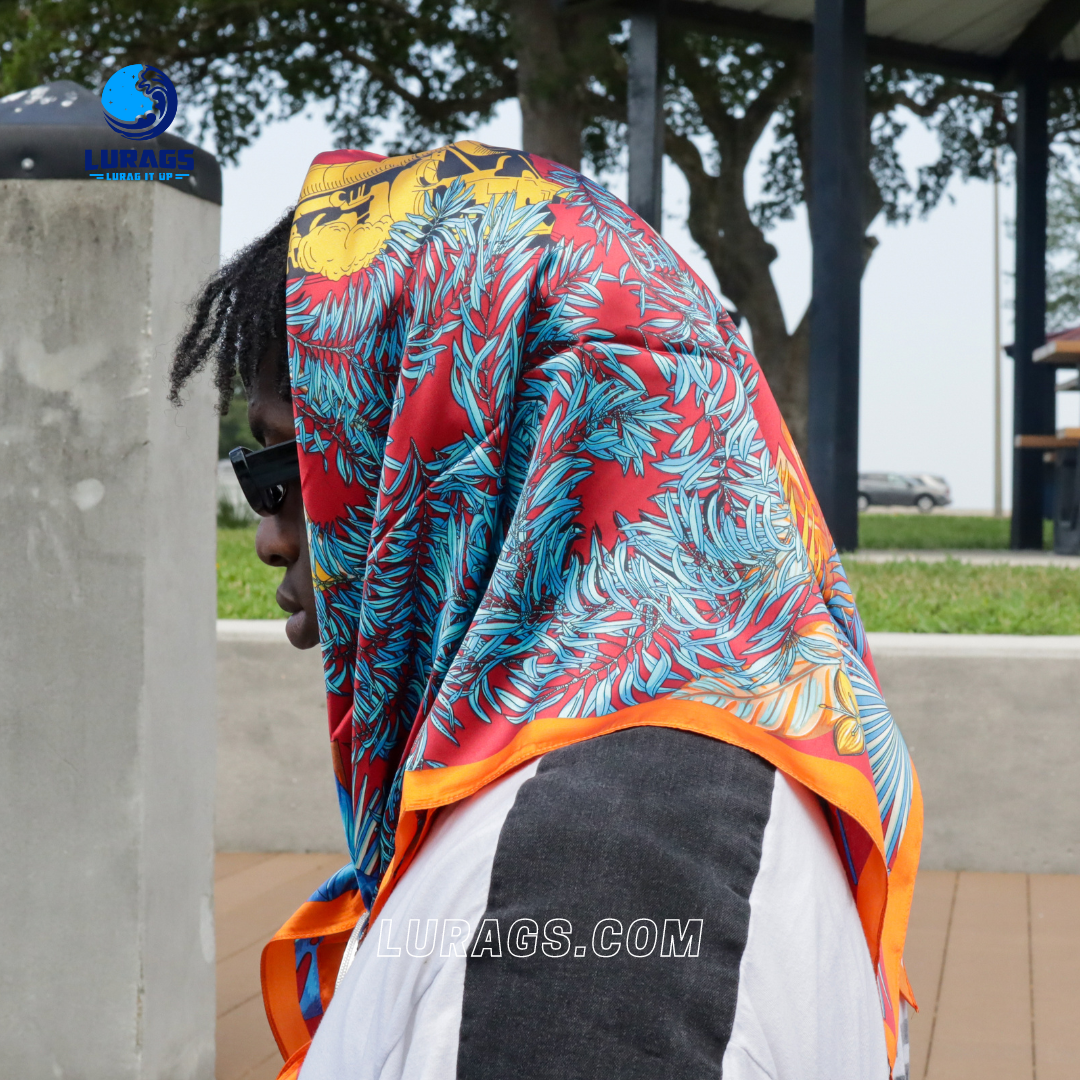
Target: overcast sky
point(927, 323)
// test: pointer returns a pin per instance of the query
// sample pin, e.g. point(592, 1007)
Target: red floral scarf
point(550, 496)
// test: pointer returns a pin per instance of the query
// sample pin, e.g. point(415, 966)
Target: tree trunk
point(551, 114)
point(785, 360)
point(740, 256)
point(556, 50)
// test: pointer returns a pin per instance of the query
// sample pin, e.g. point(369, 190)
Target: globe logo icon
point(139, 101)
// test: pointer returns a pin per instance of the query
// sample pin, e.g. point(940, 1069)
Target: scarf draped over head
point(550, 496)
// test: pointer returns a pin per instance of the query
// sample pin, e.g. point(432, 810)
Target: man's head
point(238, 324)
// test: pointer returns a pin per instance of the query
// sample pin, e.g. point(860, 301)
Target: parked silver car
point(903, 489)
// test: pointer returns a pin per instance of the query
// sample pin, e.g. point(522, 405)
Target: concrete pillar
point(107, 530)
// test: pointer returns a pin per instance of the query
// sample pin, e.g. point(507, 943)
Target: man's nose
point(274, 543)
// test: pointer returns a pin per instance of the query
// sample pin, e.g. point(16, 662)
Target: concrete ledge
point(994, 728)
point(985, 646)
point(967, 556)
point(275, 783)
point(251, 630)
point(993, 723)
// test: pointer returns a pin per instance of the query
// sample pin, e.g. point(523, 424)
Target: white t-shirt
point(799, 1003)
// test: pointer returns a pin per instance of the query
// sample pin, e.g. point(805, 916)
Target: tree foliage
point(1063, 246)
point(436, 68)
point(726, 95)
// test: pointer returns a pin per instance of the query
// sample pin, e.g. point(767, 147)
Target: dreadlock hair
point(237, 317)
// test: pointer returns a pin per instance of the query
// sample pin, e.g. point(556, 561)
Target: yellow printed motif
point(808, 521)
point(815, 697)
point(346, 211)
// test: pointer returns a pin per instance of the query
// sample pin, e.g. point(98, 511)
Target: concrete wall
point(107, 647)
point(275, 783)
point(993, 724)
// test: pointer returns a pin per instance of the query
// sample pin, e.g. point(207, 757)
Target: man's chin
point(302, 630)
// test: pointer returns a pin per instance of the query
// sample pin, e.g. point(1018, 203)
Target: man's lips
point(288, 602)
point(296, 629)
point(299, 627)
point(301, 630)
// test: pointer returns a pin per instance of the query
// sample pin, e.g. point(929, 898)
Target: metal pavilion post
point(1033, 384)
point(645, 116)
point(998, 455)
point(839, 140)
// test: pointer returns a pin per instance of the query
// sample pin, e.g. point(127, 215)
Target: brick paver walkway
point(994, 959)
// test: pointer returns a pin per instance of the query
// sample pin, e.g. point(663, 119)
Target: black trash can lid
point(45, 134)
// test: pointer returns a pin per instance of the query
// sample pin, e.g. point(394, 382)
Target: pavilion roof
point(978, 38)
point(1070, 334)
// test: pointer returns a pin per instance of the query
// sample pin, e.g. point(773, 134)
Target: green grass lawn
point(246, 586)
point(945, 597)
point(936, 531)
point(950, 598)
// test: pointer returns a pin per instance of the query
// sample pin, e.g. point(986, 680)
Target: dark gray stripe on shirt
point(646, 824)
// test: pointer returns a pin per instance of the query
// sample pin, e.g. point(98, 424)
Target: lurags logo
point(139, 102)
point(678, 938)
point(141, 159)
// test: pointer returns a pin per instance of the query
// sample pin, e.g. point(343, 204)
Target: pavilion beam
point(838, 165)
point(1043, 33)
point(1050, 24)
point(754, 25)
point(645, 116)
point(1033, 384)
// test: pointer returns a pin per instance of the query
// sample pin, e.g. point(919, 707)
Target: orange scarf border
point(332, 919)
point(883, 899)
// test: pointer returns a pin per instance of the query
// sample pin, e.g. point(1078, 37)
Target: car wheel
point(925, 503)
point(864, 503)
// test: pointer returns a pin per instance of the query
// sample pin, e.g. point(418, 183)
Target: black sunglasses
point(264, 475)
